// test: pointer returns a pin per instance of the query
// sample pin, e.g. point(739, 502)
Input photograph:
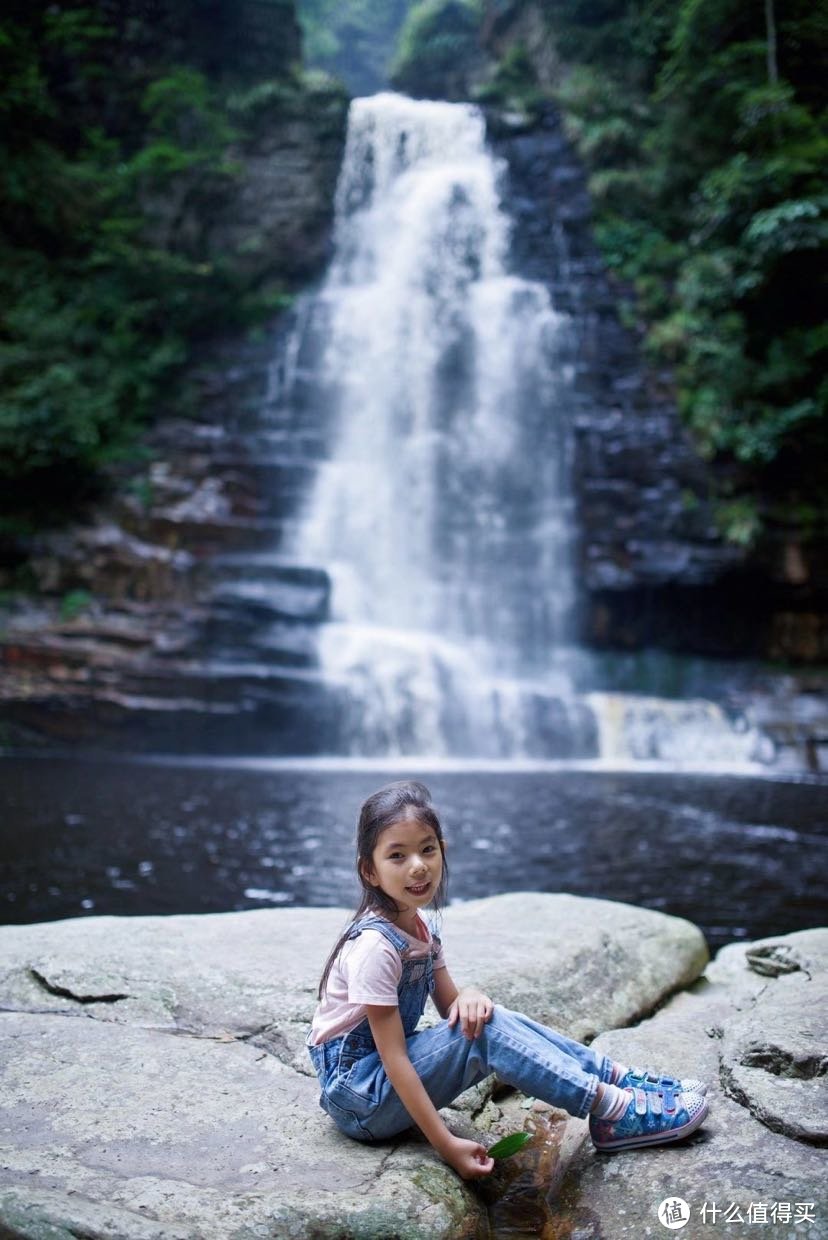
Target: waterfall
point(439, 384)
point(442, 513)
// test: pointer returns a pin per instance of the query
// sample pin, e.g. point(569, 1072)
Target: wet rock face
point(277, 224)
point(652, 567)
point(271, 225)
point(171, 614)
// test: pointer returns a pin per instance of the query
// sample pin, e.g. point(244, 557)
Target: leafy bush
point(114, 162)
point(706, 146)
point(514, 84)
point(438, 48)
point(353, 39)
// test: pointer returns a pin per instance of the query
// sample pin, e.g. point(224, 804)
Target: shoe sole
point(654, 1138)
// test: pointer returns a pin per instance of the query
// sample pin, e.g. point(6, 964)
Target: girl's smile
point(407, 865)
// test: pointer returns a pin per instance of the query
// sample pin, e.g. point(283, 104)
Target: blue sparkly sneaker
point(653, 1117)
point(640, 1078)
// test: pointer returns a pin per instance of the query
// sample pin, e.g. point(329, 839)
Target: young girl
point(378, 1074)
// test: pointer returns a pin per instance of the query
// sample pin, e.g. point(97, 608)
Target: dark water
point(742, 857)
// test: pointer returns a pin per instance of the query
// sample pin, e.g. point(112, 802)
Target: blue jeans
point(540, 1062)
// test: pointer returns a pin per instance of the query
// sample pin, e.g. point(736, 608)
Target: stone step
point(294, 713)
point(305, 596)
point(216, 708)
point(238, 637)
point(216, 683)
point(301, 442)
point(237, 488)
point(229, 684)
point(59, 657)
point(291, 644)
point(266, 566)
point(212, 535)
point(281, 644)
point(267, 563)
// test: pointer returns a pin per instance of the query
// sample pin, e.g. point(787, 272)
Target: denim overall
point(335, 1060)
point(361, 1100)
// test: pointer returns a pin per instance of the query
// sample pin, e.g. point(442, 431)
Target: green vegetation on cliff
point(353, 39)
point(121, 134)
point(439, 47)
point(703, 129)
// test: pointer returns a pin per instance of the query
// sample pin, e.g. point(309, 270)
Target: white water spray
point(441, 509)
point(442, 513)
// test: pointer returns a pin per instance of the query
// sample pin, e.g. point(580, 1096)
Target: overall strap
point(371, 922)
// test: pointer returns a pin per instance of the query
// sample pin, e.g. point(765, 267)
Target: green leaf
point(510, 1145)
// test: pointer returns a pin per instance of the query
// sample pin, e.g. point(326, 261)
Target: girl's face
point(407, 864)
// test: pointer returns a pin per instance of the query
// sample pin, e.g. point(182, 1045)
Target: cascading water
point(441, 509)
point(442, 515)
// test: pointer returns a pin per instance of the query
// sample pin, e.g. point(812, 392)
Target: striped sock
point(619, 1070)
point(611, 1102)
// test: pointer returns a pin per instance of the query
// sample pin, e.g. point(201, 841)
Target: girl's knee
point(502, 1015)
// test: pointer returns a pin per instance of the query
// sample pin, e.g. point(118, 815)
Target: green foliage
point(509, 1145)
point(113, 160)
point(74, 604)
point(706, 155)
point(353, 39)
point(285, 96)
point(438, 44)
point(739, 520)
point(514, 85)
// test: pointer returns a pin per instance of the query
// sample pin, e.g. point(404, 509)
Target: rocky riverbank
point(155, 1083)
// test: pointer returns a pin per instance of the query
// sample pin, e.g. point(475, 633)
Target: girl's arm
point(470, 1005)
point(469, 1158)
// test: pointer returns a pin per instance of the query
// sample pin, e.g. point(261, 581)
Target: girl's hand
point(469, 1158)
point(473, 1009)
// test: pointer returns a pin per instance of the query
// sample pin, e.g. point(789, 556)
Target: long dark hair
point(407, 801)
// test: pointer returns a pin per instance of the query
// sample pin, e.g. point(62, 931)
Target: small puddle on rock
point(520, 1193)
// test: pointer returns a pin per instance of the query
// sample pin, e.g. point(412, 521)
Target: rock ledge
point(155, 1084)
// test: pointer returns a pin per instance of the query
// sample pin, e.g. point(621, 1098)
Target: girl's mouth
point(420, 889)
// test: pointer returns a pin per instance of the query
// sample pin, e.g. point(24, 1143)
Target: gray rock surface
point(774, 1057)
point(761, 1043)
point(155, 1083)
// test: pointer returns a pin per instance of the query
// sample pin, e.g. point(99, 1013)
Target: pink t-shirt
point(367, 970)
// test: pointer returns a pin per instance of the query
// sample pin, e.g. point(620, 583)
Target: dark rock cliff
point(653, 568)
point(106, 625)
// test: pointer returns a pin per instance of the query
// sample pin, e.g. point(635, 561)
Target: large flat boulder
point(154, 1083)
